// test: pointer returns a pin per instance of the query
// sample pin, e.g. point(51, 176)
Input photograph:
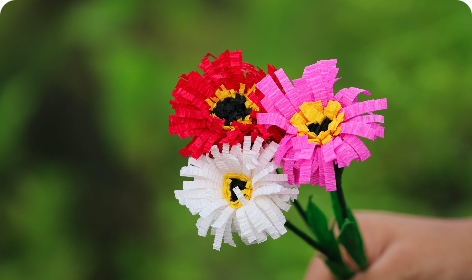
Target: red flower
point(220, 106)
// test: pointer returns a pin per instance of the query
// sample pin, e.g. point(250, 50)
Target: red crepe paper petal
point(193, 118)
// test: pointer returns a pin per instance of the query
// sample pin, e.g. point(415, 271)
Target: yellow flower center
point(231, 105)
point(321, 124)
point(232, 181)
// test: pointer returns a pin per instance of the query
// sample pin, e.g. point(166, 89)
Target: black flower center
point(232, 109)
point(236, 183)
point(318, 128)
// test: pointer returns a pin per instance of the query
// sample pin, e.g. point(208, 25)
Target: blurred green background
point(87, 166)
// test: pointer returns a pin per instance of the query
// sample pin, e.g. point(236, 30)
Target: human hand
point(401, 247)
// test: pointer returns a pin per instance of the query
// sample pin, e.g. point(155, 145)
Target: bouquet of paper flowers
point(246, 127)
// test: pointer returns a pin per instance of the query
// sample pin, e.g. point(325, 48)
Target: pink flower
point(321, 127)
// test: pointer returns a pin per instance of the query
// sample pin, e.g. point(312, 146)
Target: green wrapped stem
point(304, 236)
point(338, 172)
point(349, 236)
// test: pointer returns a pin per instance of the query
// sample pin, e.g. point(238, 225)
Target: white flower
point(237, 190)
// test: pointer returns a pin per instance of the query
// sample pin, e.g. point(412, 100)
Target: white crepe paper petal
point(223, 218)
point(259, 215)
point(240, 196)
point(228, 236)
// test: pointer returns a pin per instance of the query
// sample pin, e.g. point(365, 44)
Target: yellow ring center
point(222, 93)
point(228, 186)
point(314, 113)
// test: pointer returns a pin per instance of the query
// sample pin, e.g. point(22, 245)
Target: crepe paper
point(220, 106)
point(319, 125)
point(346, 154)
point(237, 189)
point(368, 119)
point(350, 237)
point(347, 96)
point(358, 146)
point(318, 224)
point(273, 119)
point(368, 106)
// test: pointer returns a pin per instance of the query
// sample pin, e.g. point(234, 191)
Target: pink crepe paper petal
point(272, 119)
point(291, 92)
point(345, 154)
point(291, 129)
point(364, 107)
point(327, 177)
point(378, 130)
point(306, 153)
point(296, 176)
point(269, 106)
point(322, 77)
point(289, 166)
point(360, 129)
point(315, 173)
point(295, 97)
point(321, 168)
point(273, 93)
point(346, 96)
point(284, 80)
point(330, 178)
point(305, 171)
point(371, 118)
point(284, 146)
point(288, 169)
point(283, 104)
point(328, 151)
point(300, 142)
point(357, 145)
point(337, 142)
point(304, 90)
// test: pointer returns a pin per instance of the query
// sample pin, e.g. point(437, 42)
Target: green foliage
point(350, 237)
point(337, 209)
point(339, 269)
point(325, 236)
point(319, 226)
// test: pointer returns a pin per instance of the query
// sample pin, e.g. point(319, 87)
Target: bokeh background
point(87, 166)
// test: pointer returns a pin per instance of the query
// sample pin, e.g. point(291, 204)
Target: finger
point(376, 233)
point(317, 270)
point(374, 241)
point(387, 267)
point(377, 236)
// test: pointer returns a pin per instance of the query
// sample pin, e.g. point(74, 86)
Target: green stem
point(305, 237)
point(298, 206)
point(300, 211)
point(338, 172)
